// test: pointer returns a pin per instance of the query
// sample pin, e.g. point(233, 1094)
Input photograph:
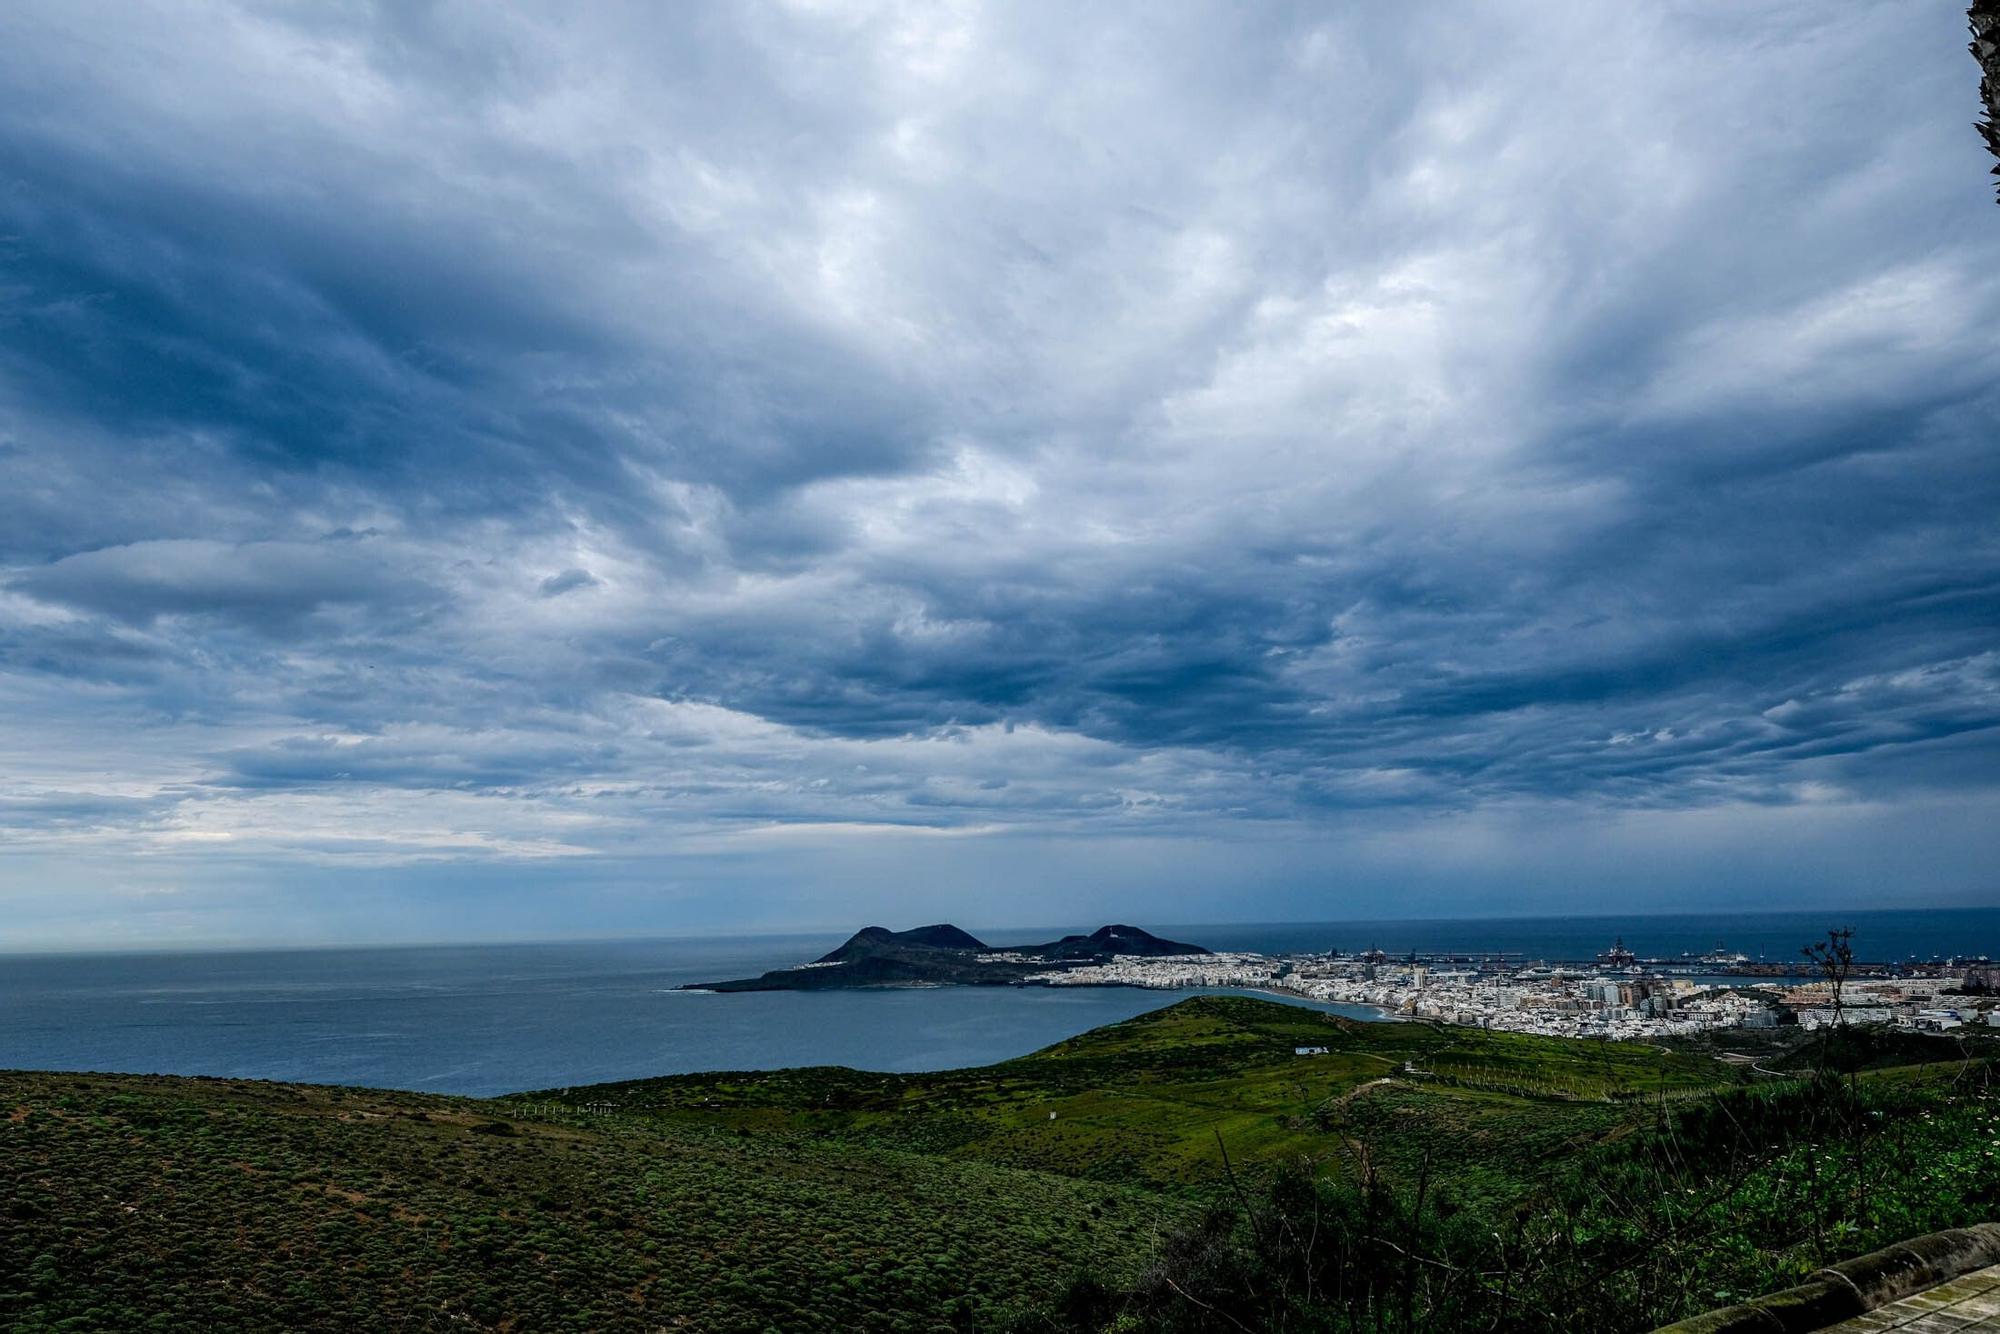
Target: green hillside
point(1154, 1100)
point(154, 1203)
point(1141, 1173)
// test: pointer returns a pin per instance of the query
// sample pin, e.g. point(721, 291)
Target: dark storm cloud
point(270, 585)
point(436, 761)
point(530, 434)
point(558, 584)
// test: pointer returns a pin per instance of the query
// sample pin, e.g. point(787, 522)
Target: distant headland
point(944, 955)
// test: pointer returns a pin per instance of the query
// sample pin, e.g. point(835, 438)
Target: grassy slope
point(128, 1201)
point(1145, 1101)
point(798, 1199)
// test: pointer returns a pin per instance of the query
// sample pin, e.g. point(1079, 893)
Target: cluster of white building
point(1620, 1003)
point(1621, 1006)
point(1915, 1003)
point(1174, 971)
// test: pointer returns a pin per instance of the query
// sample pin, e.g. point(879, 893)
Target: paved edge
point(1854, 1287)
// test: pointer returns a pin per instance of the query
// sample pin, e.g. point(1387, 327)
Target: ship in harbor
point(1617, 956)
point(1720, 955)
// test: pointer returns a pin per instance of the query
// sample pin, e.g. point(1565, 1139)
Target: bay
point(486, 1019)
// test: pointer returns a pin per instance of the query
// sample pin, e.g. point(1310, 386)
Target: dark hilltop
point(944, 955)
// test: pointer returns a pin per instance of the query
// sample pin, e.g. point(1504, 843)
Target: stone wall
point(1854, 1287)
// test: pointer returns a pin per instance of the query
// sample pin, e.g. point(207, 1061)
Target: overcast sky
point(639, 468)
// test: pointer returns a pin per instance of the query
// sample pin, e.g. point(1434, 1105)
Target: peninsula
point(944, 955)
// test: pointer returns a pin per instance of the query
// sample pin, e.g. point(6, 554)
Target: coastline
point(1276, 993)
point(1389, 1016)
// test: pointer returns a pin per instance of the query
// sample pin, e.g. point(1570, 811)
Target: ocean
point(1884, 936)
point(487, 1019)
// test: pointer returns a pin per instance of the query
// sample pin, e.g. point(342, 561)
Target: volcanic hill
point(945, 955)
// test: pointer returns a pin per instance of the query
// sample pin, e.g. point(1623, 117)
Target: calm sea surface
point(1885, 936)
point(483, 1019)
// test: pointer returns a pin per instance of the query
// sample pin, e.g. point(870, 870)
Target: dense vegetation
point(1693, 1204)
point(1714, 1205)
point(1181, 1171)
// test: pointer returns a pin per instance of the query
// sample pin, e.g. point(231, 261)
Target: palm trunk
point(1984, 17)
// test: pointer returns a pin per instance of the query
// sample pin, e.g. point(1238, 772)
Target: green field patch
point(1157, 1100)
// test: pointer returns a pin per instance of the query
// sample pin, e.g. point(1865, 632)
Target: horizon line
point(740, 933)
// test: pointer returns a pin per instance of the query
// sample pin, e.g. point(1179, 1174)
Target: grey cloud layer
point(433, 433)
